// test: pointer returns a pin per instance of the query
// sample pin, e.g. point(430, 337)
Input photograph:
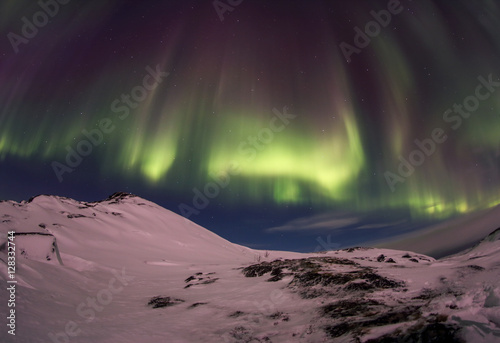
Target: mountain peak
point(494, 236)
point(47, 196)
point(120, 196)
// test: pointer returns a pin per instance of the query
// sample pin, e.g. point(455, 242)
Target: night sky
point(298, 125)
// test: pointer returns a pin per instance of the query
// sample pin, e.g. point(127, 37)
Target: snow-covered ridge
point(133, 271)
point(494, 236)
point(148, 231)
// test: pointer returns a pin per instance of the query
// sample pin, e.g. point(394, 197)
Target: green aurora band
point(350, 125)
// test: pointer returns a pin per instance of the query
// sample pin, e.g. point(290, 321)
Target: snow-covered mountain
point(127, 270)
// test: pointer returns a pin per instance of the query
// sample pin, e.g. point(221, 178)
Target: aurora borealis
point(216, 114)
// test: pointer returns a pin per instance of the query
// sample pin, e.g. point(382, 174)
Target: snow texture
point(132, 271)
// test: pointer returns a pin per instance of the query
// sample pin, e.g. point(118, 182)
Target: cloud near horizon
point(334, 221)
point(321, 222)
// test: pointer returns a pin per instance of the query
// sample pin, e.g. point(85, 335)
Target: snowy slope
point(146, 230)
point(133, 271)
